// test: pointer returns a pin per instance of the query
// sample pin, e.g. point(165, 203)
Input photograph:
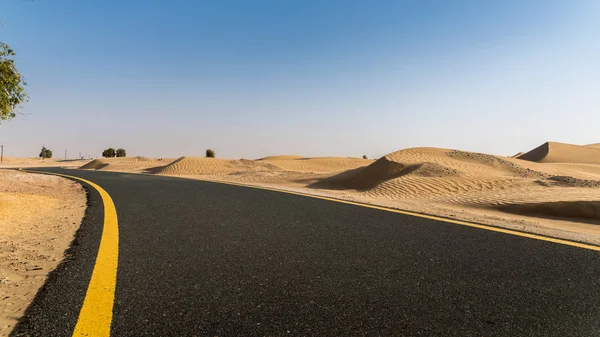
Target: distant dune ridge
point(207, 166)
point(190, 166)
point(552, 152)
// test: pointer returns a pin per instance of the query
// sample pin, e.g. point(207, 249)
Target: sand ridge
point(553, 152)
point(434, 170)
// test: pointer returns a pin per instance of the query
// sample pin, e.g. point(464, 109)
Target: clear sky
point(311, 77)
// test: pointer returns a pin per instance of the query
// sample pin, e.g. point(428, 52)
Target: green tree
point(364, 156)
point(45, 153)
point(210, 153)
point(12, 93)
point(121, 153)
point(109, 153)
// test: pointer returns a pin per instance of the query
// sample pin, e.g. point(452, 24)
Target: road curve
point(207, 259)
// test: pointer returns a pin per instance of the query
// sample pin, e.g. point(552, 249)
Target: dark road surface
point(207, 259)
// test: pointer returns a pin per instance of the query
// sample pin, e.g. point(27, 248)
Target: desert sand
point(127, 164)
point(553, 189)
point(12, 162)
point(39, 215)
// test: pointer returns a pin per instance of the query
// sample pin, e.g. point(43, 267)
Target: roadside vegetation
point(12, 93)
point(45, 153)
point(111, 153)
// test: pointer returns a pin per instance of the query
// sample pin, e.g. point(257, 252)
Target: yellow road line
point(426, 216)
point(95, 316)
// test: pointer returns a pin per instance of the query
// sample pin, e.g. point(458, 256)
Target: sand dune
point(190, 166)
point(478, 183)
point(596, 145)
point(581, 171)
point(126, 164)
point(540, 188)
point(317, 164)
point(552, 152)
point(434, 170)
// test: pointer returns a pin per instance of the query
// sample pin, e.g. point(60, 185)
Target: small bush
point(210, 153)
point(109, 153)
point(121, 153)
point(45, 153)
point(365, 156)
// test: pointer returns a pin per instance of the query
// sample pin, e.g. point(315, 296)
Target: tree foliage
point(45, 153)
point(364, 156)
point(12, 93)
point(109, 153)
point(210, 153)
point(121, 153)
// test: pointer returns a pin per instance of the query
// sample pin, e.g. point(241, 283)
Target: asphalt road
point(207, 259)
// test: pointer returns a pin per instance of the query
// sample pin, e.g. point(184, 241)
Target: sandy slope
point(555, 191)
point(39, 215)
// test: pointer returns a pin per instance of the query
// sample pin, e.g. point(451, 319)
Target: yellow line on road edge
point(95, 316)
point(425, 216)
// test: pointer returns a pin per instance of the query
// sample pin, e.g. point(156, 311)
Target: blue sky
point(256, 78)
